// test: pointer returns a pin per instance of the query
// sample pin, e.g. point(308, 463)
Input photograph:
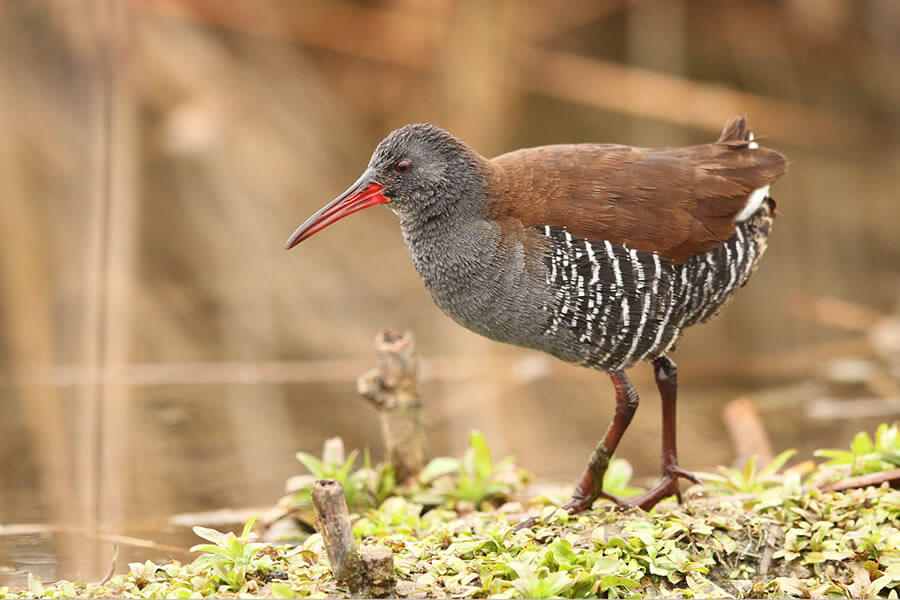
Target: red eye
point(402, 166)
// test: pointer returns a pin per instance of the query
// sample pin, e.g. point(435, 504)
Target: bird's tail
point(737, 131)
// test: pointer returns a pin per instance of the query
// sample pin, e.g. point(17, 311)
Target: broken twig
point(393, 389)
point(333, 523)
point(891, 477)
point(771, 542)
point(368, 572)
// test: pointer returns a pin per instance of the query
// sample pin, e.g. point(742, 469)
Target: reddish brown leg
point(590, 485)
point(667, 381)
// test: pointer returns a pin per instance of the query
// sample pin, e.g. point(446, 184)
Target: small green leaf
point(522, 569)
point(234, 546)
point(728, 544)
point(618, 475)
point(438, 467)
point(342, 473)
point(248, 527)
point(35, 587)
point(312, 464)
point(749, 471)
point(891, 456)
point(891, 576)
point(484, 463)
point(862, 444)
point(208, 548)
point(183, 593)
point(776, 464)
point(280, 590)
point(814, 558)
point(609, 581)
point(562, 550)
point(216, 537)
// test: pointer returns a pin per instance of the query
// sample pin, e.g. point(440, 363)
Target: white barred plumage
point(628, 305)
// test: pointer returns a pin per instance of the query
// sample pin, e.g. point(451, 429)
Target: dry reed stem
point(121, 231)
point(748, 434)
point(412, 42)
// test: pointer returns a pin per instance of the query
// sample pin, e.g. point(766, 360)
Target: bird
point(598, 254)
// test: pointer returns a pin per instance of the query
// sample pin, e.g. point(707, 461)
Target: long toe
point(620, 502)
point(525, 524)
point(677, 471)
point(668, 486)
point(578, 504)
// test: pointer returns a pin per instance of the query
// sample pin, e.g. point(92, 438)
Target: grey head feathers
point(443, 174)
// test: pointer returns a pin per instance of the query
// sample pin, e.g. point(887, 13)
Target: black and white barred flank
point(626, 305)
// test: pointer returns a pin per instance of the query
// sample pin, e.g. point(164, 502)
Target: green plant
point(475, 478)
point(363, 488)
point(231, 557)
point(333, 465)
point(866, 456)
point(748, 480)
point(540, 584)
point(826, 544)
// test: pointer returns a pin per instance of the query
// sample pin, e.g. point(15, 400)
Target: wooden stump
point(378, 566)
point(369, 572)
point(333, 523)
point(393, 389)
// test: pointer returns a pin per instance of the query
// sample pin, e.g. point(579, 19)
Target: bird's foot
point(668, 486)
point(576, 505)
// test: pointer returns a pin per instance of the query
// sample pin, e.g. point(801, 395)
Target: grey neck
point(443, 226)
point(479, 277)
point(444, 240)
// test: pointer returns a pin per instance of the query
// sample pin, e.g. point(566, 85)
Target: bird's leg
point(667, 381)
point(590, 486)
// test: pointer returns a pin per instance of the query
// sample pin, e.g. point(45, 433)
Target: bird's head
point(415, 169)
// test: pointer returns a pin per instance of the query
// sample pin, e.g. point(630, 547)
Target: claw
point(576, 505)
point(525, 524)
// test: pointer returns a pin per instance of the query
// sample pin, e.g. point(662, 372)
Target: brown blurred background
point(161, 353)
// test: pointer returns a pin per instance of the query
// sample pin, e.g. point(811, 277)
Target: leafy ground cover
point(746, 533)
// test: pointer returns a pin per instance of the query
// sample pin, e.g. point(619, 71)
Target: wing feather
point(676, 202)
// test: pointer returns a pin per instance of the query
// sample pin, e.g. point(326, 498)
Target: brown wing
point(676, 202)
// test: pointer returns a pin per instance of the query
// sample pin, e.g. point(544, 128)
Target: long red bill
point(364, 193)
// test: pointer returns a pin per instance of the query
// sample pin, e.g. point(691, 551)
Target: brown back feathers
point(676, 202)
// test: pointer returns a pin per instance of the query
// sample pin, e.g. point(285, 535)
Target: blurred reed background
point(161, 353)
